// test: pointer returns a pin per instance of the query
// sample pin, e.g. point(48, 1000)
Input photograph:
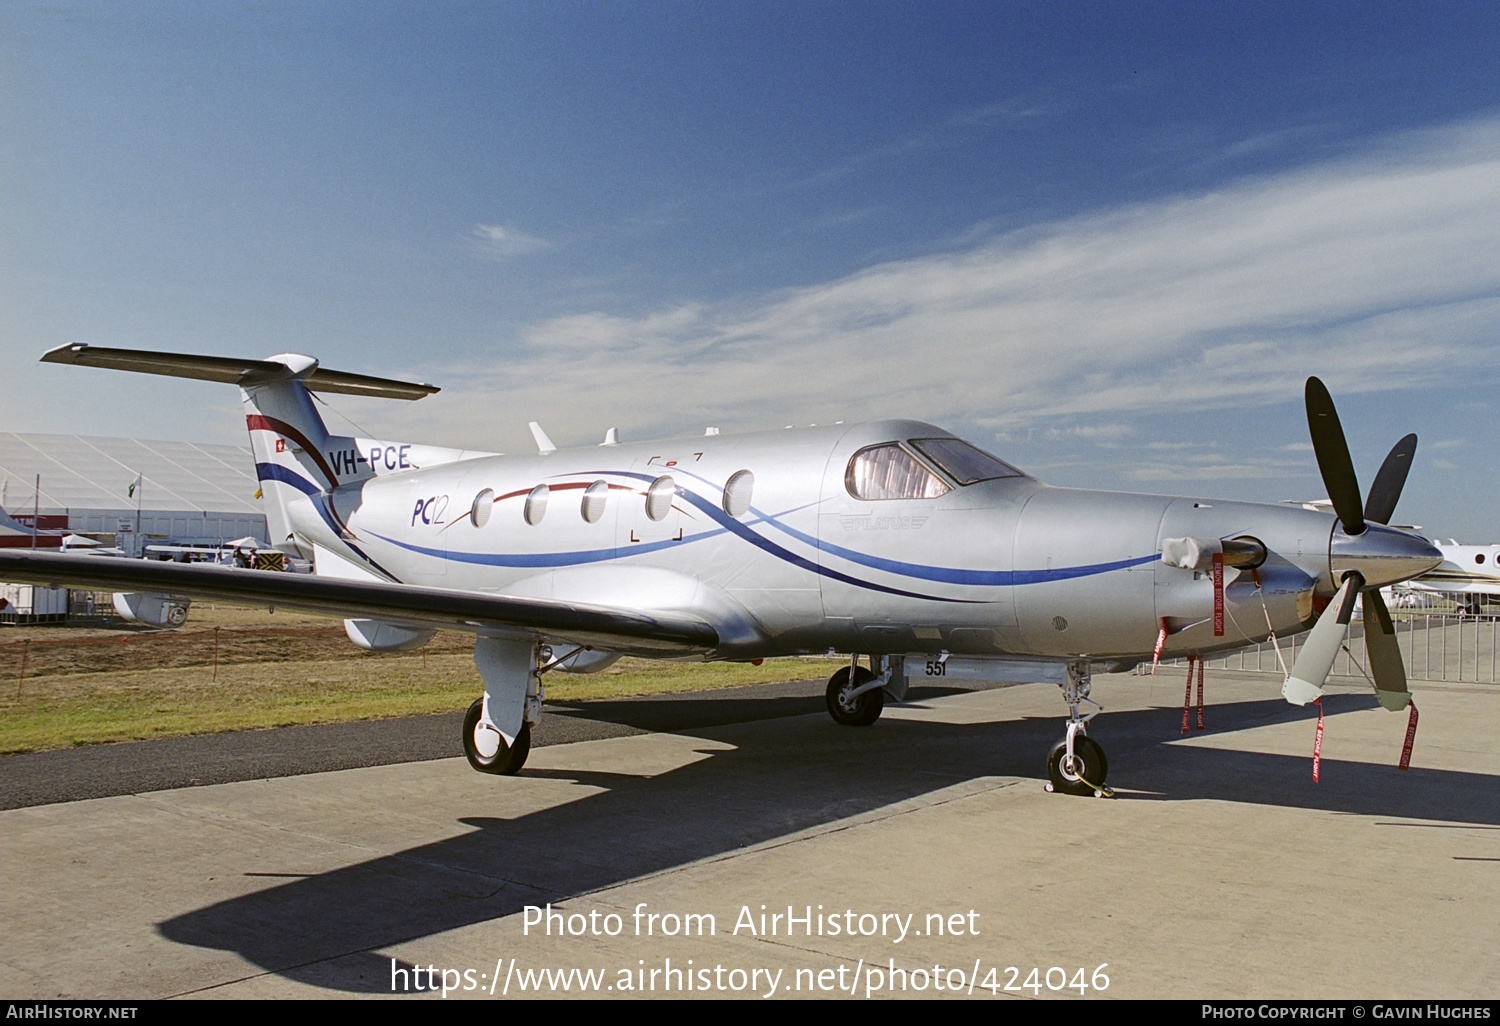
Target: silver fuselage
point(1009, 566)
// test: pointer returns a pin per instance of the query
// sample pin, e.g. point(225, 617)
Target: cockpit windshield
point(963, 462)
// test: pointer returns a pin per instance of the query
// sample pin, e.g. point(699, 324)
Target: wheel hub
point(486, 741)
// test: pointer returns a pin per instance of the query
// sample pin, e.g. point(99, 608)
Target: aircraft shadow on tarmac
point(696, 710)
point(328, 929)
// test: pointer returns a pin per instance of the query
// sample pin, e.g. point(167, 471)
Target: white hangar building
point(189, 493)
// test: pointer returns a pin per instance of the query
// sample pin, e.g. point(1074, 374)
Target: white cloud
point(1376, 273)
point(497, 241)
point(1101, 434)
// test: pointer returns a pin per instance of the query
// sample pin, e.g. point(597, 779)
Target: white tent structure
point(185, 492)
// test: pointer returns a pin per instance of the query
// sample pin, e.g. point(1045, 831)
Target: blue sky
point(1107, 241)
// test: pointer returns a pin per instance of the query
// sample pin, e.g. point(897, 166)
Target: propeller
point(1332, 452)
point(1380, 549)
point(1381, 502)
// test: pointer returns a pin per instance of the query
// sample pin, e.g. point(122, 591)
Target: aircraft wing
point(616, 630)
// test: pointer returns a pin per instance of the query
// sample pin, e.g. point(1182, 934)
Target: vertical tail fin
point(287, 436)
point(287, 439)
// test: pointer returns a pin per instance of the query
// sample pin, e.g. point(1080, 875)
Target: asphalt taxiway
point(1221, 870)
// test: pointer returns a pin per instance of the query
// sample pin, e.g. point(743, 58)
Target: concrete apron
point(1221, 871)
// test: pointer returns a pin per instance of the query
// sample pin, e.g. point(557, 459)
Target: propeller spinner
point(1364, 555)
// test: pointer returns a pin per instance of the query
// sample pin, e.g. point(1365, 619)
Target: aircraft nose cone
point(1382, 555)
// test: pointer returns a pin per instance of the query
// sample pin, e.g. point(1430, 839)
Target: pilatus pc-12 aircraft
point(911, 550)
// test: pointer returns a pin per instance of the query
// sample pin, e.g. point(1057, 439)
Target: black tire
point(1089, 762)
point(506, 761)
point(864, 709)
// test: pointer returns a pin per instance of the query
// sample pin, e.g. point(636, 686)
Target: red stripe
point(257, 422)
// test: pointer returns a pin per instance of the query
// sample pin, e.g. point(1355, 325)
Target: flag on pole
point(133, 486)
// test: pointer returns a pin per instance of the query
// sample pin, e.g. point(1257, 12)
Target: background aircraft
point(1467, 571)
point(893, 540)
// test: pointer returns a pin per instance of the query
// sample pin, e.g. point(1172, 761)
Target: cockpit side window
point(963, 462)
point(890, 472)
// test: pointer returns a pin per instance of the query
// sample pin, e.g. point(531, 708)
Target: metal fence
point(1434, 646)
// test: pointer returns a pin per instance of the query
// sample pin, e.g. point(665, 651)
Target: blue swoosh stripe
point(947, 575)
point(941, 575)
point(953, 575)
point(273, 472)
point(750, 536)
point(541, 560)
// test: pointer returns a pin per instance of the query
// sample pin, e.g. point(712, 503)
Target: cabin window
point(484, 504)
point(890, 472)
point(963, 462)
point(659, 497)
point(737, 493)
point(594, 497)
point(536, 504)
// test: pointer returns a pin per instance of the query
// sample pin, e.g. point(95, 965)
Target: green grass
point(63, 710)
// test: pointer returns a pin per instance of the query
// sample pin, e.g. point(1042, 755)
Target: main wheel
point(857, 711)
point(1088, 771)
point(485, 748)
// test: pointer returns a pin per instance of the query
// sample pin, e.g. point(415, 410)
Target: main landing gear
point(497, 728)
point(1076, 764)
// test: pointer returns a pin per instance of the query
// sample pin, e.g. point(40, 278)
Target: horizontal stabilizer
point(235, 372)
point(617, 630)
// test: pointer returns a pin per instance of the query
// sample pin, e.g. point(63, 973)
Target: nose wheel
point(1084, 774)
point(855, 702)
point(485, 747)
point(1076, 764)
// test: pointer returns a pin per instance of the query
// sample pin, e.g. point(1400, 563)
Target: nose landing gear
point(1076, 764)
point(856, 696)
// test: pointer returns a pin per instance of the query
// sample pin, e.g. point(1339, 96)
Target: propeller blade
point(1305, 683)
point(1333, 457)
point(1384, 654)
point(1386, 491)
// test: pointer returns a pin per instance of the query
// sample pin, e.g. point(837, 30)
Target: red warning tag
point(1318, 740)
point(1218, 594)
point(1161, 639)
point(1200, 694)
point(1187, 694)
point(1411, 737)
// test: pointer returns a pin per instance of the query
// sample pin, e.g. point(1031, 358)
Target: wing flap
point(596, 626)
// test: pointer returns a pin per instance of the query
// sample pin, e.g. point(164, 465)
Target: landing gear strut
point(511, 706)
point(1076, 764)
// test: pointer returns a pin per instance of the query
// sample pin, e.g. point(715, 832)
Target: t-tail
point(299, 463)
